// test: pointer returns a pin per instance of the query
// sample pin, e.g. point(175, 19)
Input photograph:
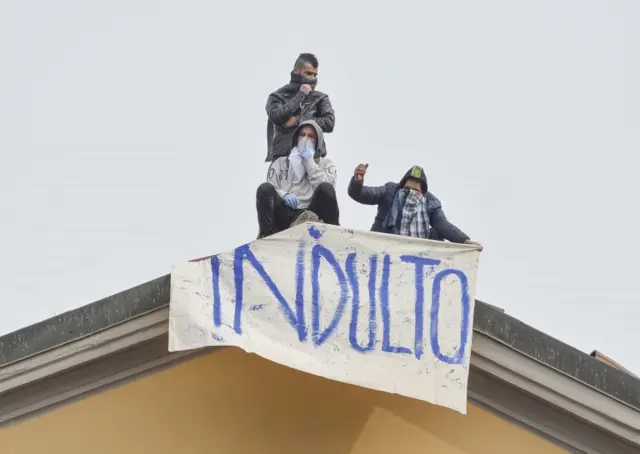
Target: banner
point(381, 311)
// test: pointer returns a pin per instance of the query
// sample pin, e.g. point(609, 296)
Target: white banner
point(381, 311)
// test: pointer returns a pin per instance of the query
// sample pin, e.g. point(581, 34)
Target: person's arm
point(326, 172)
point(279, 112)
point(326, 117)
point(450, 232)
point(273, 176)
point(367, 195)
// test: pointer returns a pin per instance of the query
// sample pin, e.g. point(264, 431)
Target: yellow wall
point(232, 402)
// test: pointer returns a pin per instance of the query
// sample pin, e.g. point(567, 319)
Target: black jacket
point(384, 195)
point(288, 102)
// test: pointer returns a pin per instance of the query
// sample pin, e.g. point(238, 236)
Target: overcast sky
point(132, 136)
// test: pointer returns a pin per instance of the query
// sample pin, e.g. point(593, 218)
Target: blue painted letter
point(215, 283)
point(384, 303)
point(420, 263)
point(435, 309)
point(302, 327)
point(243, 253)
point(355, 309)
point(318, 252)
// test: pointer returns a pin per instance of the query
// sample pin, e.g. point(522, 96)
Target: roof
point(505, 352)
point(611, 379)
point(84, 321)
point(557, 355)
point(605, 359)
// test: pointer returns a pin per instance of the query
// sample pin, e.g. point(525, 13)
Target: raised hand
point(360, 171)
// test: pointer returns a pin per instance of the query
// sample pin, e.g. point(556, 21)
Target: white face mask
point(304, 143)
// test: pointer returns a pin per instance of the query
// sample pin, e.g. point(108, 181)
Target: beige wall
point(232, 402)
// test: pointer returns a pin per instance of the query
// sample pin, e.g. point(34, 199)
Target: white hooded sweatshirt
point(318, 170)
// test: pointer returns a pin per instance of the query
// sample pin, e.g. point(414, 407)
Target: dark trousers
point(275, 216)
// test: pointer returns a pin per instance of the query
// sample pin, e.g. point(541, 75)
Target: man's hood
point(321, 151)
point(416, 173)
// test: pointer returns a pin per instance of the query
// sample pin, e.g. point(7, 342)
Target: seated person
point(300, 187)
point(406, 208)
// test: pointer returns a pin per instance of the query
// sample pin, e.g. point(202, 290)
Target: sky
point(132, 136)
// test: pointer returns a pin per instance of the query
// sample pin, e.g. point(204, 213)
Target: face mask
point(312, 82)
point(300, 79)
point(412, 195)
point(304, 143)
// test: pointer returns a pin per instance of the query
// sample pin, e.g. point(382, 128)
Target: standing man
point(406, 208)
point(295, 103)
point(300, 186)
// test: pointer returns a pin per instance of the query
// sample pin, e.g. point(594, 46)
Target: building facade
point(100, 379)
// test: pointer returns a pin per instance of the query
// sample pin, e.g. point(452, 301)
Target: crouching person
point(406, 208)
point(300, 187)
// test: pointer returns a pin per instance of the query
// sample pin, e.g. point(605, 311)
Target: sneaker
point(305, 216)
